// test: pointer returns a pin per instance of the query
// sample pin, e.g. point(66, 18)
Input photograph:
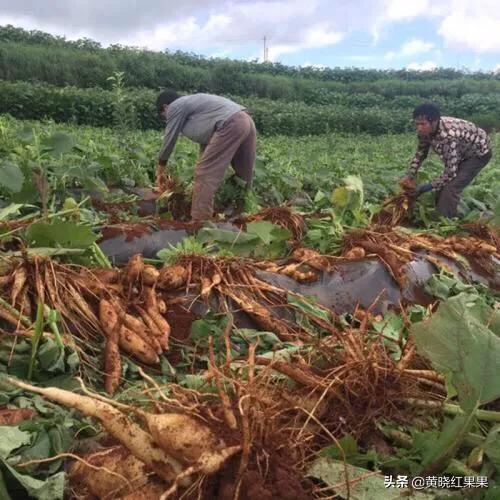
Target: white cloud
point(472, 26)
point(411, 48)
point(320, 35)
point(206, 26)
point(416, 46)
point(392, 11)
point(228, 26)
point(423, 66)
point(396, 10)
point(496, 69)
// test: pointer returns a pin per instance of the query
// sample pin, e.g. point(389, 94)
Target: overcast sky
point(417, 34)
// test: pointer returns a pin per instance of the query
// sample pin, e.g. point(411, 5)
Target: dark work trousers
point(233, 143)
point(448, 197)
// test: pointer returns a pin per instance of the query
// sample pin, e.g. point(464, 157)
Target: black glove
point(423, 188)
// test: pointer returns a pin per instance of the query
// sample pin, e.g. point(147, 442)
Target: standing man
point(464, 148)
point(226, 135)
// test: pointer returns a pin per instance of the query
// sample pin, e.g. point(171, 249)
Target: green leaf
point(340, 197)
point(11, 177)
point(349, 196)
point(457, 340)
point(12, 209)
point(26, 134)
point(280, 234)
point(4, 494)
point(94, 184)
point(391, 327)
point(202, 329)
point(262, 228)
point(354, 183)
point(51, 357)
point(50, 489)
point(307, 305)
point(492, 446)
point(12, 438)
point(496, 214)
point(60, 234)
point(59, 143)
point(348, 445)
point(267, 340)
point(438, 452)
point(363, 484)
point(38, 449)
point(208, 234)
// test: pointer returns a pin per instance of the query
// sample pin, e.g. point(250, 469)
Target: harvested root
point(174, 440)
point(312, 259)
point(165, 431)
point(133, 344)
point(112, 363)
point(172, 277)
point(133, 271)
point(109, 473)
point(395, 209)
point(20, 277)
point(138, 326)
point(261, 315)
point(150, 275)
point(131, 435)
point(355, 253)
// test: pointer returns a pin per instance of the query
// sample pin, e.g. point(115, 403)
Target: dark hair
point(166, 97)
point(428, 111)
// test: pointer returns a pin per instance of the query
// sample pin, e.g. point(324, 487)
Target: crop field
point(336, 336)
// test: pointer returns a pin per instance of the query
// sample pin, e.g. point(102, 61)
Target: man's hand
point(407, 183)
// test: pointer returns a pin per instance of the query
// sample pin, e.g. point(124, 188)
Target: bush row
point(10, 33)
point(135, 109)
point(62, 66)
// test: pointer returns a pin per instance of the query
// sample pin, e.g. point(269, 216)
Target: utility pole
point(266, 50)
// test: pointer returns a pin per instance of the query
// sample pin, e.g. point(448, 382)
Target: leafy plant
point(261, 239)
point(462, 340)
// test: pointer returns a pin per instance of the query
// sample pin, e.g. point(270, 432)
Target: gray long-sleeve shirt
point(195, 116)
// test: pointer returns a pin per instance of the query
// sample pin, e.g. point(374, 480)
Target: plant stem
point(485, 415)
point(101, 258)
point(452, 409)
point(36, 337)
point(55, 329)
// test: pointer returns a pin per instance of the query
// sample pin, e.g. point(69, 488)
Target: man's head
point(426, 118)
point(164, 100)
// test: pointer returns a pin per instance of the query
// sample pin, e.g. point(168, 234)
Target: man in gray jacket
point(226, 134)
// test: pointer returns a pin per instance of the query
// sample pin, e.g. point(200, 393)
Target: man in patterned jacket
point(464, 148)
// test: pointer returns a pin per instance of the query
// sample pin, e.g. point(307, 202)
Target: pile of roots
point(396, 248)
point(127, 308)
point(121, 307)
point(398, 208)
point(282, 216)
point(254, 433)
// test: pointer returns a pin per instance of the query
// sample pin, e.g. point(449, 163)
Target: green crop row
point(63, 65)
point(287, 167)
point(135, 109)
